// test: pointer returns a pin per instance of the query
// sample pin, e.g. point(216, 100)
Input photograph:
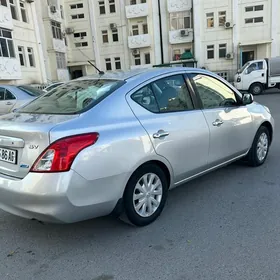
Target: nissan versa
point(116, 143)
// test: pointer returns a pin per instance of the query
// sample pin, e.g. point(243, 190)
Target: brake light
point(59, 156)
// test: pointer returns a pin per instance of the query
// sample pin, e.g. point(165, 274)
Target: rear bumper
point(59, 197)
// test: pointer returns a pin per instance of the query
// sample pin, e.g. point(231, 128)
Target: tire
point(253, 157)
point(153, 174)
point(256, 89)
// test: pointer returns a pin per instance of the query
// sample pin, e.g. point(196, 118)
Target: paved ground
point(224, 225)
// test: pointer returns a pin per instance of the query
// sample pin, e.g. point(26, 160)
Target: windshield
point(32, 91)
point(72, 98)
point(243, 68)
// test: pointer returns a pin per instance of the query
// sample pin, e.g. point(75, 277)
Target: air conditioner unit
point(228, 25)
point(184, 33)
point(229, 56)
point(135, 52)
point(69, 30)
point(53, 9)
point(113, 26)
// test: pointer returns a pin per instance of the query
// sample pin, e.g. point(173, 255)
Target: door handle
point(217, 123)
point(9, 103)
point(262, 74)
point(160, 134)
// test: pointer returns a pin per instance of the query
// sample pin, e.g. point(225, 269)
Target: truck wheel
point(256, 89)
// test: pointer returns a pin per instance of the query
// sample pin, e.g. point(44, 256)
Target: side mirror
point(247, 99)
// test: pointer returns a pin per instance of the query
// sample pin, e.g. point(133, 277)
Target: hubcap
point(147, 195)
point(257, 89)
point(262, 147)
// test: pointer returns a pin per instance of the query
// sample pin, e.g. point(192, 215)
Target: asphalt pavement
point(225, 225)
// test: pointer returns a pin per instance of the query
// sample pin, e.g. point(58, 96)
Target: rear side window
point(9, 95)
point(72, 98)
point(165, 95)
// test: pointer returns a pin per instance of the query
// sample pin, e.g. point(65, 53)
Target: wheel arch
point(268, 125)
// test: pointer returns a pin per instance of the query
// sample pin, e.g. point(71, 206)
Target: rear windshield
point(72, 98)
point(31, 90)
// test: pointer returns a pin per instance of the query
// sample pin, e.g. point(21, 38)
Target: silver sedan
point(13, 97)
point(116, 143)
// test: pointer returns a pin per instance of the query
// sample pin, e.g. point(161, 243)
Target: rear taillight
point(59, 156)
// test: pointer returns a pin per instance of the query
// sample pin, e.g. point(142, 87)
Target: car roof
point(126, 75)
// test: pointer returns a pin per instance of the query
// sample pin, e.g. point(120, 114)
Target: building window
point(61, 60)
point(6, 44)
point(254, 20)
point(132, 2)
point(78, 16)
point(147, 58)
point(80, 35)
point(102, 9)
point(31, 57)
point(210, 20)
point(77, 6)
point(61, 12)
point(137, 59)
point(23, 11)
point(118, 63)
point(224, 75)
point(105, 37)
point(176, 55)
point(13, 9)
point(222, 50)
point(56, 30)
point(210, 52)
point(21, 55)
point(145, 28)
point(143, 1)
point(82, 44)
point(3, 3)
point(180, 20)
point(108, 64)
point(135, 30)
point(115, 35)
point(254, 8)
point(222, 18)
point(112, 6)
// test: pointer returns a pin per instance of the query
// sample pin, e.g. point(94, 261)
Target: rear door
point(7, 101)
point(177, 129)
point(230, 123)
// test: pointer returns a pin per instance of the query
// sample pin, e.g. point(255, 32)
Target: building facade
point(58, 40)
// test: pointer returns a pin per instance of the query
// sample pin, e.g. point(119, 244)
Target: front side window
point(2, 94)
point(212, 92)
point(169, 94)
point(210, 20)
point(255, 67)
point(56, 30)
point(73, 97)
point(6, 44)
point(9, 95)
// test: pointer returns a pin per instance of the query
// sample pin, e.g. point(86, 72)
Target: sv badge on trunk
point(33, 147)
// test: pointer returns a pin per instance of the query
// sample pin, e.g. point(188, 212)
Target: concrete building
point(58, 40)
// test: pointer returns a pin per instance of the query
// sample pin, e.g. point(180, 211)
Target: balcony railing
point(9, 69)
point(59, 45)
point(178, 5)
point(181, 36)
point(139, 41)
point(138, 10)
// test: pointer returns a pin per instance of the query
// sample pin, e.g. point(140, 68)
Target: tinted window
point(146, 98)
point(31, 90)
point(2, 94)
point(73, 97)
point(172, 94)
point(9, 95)
point(213, 93)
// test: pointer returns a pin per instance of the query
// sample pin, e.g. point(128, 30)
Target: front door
point(230, 123)
point(177, 129)
point(7, 101)
point(247, 56)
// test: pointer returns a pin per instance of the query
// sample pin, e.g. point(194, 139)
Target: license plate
point(8, 155)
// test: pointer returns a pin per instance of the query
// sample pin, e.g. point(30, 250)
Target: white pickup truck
point(257, 75)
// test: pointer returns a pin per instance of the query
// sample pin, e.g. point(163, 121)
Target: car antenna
point(99, 71)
